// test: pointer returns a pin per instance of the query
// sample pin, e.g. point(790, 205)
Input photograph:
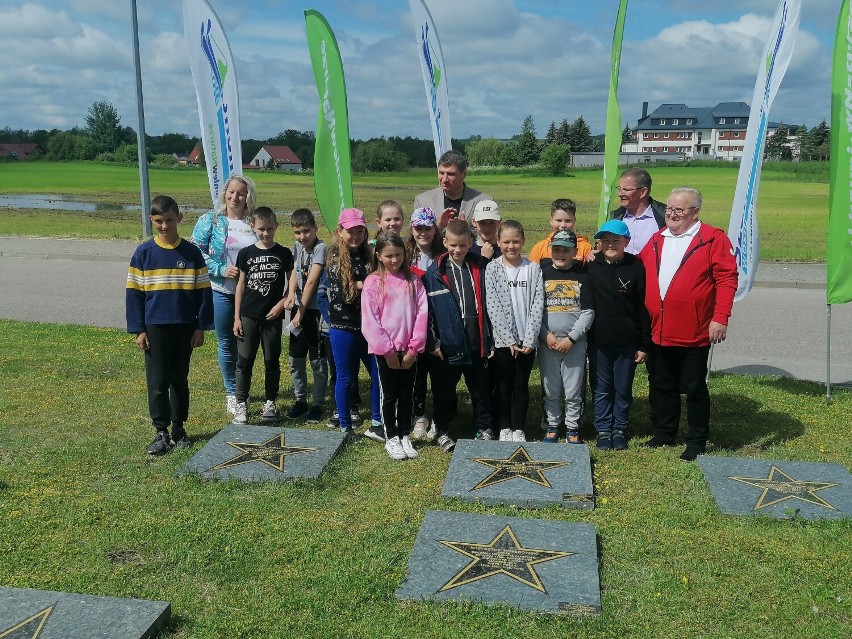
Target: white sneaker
point(432, 433)
point(518, 436)
point(506, 435)
point(409, 449)
point(231, 404)
point(421, 426)
point(240, 410)
point(395, 450)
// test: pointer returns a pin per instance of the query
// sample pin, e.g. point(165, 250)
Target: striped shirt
point(168, 284)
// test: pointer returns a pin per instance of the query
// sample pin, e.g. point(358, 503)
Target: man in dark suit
point(643, 215)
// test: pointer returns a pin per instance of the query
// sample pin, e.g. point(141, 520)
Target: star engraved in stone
point(519, 464)
point(29, 628)
point(779, 486)
point(271, 452)
point(503, 555)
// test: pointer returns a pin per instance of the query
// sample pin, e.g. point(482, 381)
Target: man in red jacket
point(691, 278)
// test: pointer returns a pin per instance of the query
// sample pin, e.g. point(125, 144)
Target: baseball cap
point(350, 218)
point(423, 217)
point(486, 210)
point(566, 239)
point(616, 227)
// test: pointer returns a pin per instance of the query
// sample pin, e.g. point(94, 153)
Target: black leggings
point(513, 383)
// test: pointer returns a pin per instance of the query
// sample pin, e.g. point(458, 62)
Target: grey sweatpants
point(562, 374)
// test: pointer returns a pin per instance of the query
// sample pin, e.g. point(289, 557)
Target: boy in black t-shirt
point(261, 298)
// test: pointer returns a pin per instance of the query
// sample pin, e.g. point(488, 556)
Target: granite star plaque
point(40, 614)
point(261, 453)
point(529, 474)
point(779, 489)
point(540, 565)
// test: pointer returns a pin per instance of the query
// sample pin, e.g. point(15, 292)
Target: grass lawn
point(83, 510)
point(792, 207)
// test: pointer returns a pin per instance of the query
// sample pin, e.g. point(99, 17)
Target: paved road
point(779, 329)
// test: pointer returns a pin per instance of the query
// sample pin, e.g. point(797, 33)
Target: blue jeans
point(611, 369)
point(350, 347)
point(223, 319)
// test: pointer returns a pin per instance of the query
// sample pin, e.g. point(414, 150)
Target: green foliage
point(580, 136)
point(67, 145)
point(556, 159)
point(563, 133)
point(485, 152)
point(509, 155)
point(378, 156)
point(103, 125)
point(527, 150)
point(778, 146)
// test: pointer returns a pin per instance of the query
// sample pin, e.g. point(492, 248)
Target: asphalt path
point(780, 328)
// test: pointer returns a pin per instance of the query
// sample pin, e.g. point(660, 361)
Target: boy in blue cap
point(621, 335)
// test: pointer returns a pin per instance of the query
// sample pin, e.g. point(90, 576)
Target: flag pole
point(828, 359)
point(140, 130)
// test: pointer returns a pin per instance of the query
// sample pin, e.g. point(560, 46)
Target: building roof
point(17, 150)
point(282, 154)
point(702, 117)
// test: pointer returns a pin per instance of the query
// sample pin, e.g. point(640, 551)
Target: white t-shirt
point(674, 248)
point(519, 291)
point(240, 235)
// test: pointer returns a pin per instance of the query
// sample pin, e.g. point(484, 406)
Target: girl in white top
point(514, 299)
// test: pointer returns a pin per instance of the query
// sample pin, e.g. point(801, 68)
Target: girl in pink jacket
point(394, 323)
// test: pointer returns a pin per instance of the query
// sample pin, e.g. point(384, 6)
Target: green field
point(83, 510)
point(792, 209)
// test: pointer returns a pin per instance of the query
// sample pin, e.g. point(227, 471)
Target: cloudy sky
point(504, 59)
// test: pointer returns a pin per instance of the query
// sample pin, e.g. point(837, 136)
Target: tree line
point(104, 138)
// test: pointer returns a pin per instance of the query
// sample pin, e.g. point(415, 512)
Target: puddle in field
point(71, 203)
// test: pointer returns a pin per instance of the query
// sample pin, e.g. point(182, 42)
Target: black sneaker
point(315, 415)
point(691, 453)
point(355, 418)
point(604, 441)
point(299, 409)
point(179, 437)
point(161, 444)
point(375, 432)
point(351, 437)
point(619, 441)
point(334, 421)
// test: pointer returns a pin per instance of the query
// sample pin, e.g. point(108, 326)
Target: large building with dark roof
point(716, 133)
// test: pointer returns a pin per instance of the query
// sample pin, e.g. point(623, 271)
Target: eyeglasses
point(677, 211)
point(621, 189)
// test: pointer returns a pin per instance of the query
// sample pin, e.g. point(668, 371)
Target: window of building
point(666, 136)
point(656, 136)
point(736, 120)
point(721, 120)
point(663, 121)
point(674, 121)
point(689, 120)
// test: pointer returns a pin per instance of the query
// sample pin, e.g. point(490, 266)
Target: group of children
point(433, 307)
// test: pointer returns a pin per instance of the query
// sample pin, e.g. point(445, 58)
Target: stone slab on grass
point(42, 614)
point(533, 564)
point(263, 453)
point(529, 474)
point(780, 489)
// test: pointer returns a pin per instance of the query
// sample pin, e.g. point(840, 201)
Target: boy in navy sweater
point(621, 335)
point(169, 305)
